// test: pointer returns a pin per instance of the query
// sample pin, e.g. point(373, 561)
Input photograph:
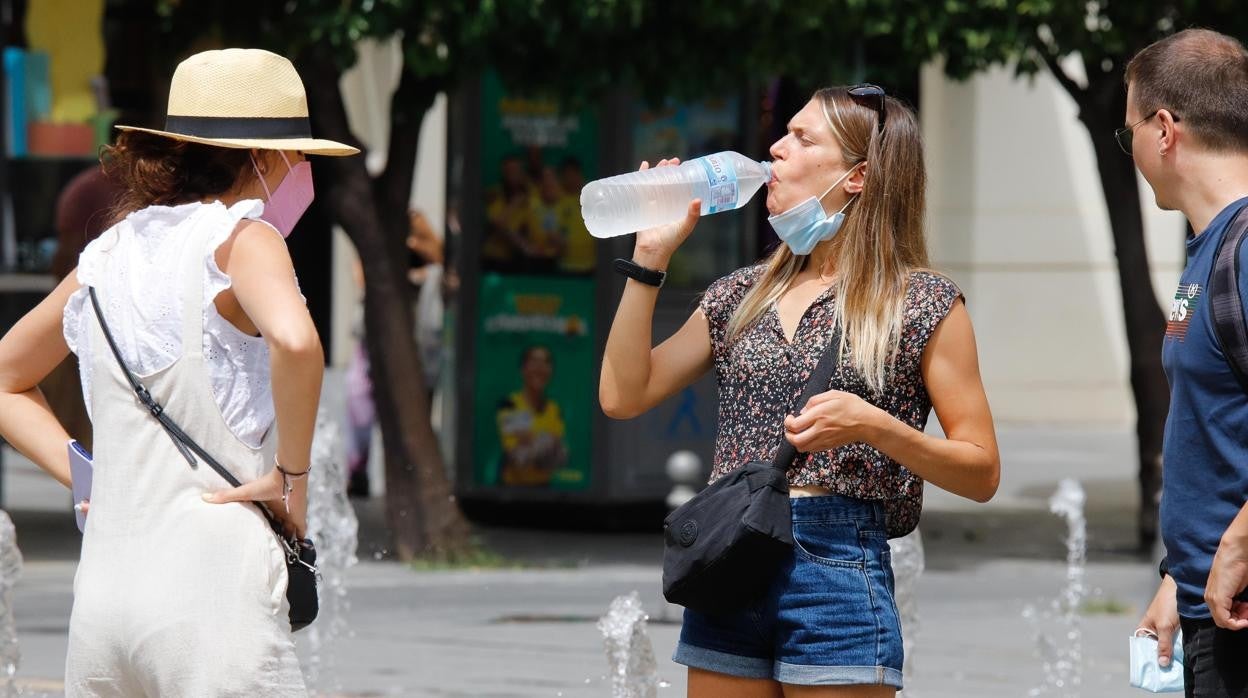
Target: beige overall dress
point(174, 596)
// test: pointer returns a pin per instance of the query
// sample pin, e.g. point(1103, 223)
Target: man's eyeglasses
point(871, 96)
point(1126, 135)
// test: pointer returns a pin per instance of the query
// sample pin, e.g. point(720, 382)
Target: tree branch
point(329, 120)
point(411, 101)
point(1079, 94)
point(329, 116)
point(325, 104)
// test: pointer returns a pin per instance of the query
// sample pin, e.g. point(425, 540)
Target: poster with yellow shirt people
point(534, 162)
point(533, 396)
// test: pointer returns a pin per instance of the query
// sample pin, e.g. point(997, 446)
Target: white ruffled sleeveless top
point(140, 298)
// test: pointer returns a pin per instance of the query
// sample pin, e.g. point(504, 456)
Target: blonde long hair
point(880, 243)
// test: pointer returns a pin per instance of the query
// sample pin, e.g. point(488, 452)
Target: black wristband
point(1163, 568)
point(633, 270)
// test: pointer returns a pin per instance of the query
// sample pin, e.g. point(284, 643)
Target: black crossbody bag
point(299, 552)
point(723, 547)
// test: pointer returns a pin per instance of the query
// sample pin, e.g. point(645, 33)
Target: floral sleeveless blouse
point(761, 376)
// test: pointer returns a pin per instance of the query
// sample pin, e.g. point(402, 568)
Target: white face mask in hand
point(1146, 672)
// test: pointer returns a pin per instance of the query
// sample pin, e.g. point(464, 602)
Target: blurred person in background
point(427, 250)
point(507, 246)
point(557, 212)
point(84, 210)
point(571, 178)
point(546, 230)
point(424, 247)
point(361, 412)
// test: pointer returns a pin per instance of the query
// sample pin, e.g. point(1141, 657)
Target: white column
point(1017, 217)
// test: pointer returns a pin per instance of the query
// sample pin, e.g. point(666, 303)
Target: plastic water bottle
point(638, 200)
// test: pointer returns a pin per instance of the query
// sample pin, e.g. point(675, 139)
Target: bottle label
point(721, 177)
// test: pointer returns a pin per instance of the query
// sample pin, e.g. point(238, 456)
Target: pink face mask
point(286, 204)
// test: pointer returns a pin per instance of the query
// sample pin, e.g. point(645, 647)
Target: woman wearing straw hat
point(181, 583)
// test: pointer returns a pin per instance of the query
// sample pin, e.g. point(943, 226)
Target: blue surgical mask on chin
point(806, 225)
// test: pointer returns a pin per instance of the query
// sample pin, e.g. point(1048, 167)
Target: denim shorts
point(828, 617)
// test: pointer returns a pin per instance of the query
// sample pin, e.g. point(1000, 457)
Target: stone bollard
point(684, 468)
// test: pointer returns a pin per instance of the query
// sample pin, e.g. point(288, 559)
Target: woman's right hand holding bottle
point(655, 246)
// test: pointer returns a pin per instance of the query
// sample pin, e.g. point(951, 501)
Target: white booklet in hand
point(80, 475)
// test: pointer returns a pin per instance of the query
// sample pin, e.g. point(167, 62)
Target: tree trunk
point(420, 509)
point(1102, 108)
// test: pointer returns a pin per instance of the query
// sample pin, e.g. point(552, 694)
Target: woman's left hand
point(267, 489)
point(829, 420)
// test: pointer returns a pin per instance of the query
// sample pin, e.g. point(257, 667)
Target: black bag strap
point(186, 445)
point(818, 382)
point(1228, 308)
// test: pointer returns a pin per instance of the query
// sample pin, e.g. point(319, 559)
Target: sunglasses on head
point(1126, 135)
point(872, 97)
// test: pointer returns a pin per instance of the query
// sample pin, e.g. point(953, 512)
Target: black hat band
point(239, 126)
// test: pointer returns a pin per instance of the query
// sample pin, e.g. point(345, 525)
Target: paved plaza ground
point(531, 631)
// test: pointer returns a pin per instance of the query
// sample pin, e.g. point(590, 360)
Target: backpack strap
point(1228, 307)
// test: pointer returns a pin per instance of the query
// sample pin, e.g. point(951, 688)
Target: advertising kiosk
point(536, 297)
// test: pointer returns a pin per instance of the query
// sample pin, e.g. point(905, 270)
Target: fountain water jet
point(1063, 656)
point(908, 565)
point(634, 673)
point(334, 527)
point(10, 571)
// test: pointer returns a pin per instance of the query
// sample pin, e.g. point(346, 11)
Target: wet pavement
point(530, 630)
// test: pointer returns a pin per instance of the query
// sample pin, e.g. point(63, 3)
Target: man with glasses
point(1187, 129)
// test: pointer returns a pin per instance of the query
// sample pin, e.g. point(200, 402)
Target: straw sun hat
point(241, 98)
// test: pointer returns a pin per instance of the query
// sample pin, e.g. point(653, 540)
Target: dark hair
point(155, 170)
point(529, 350)
point(1201, 76)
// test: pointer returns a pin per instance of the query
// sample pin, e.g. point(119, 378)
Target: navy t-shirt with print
point(1205, 452)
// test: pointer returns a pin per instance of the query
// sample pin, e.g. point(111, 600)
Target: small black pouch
point(723, 547)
